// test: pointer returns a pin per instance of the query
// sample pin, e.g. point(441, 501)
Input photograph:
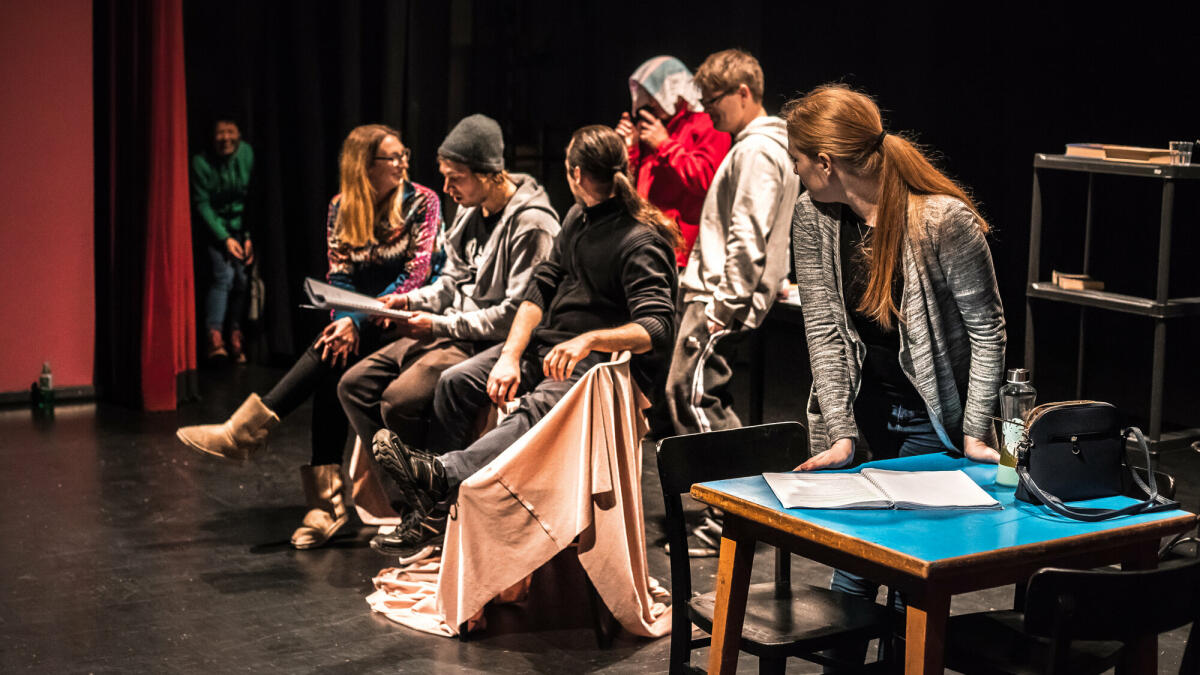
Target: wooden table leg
point(925, 633)
point(1141, 656)
point(733, 582)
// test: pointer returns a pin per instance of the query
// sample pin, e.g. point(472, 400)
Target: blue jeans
point(227, 294)
point(892, 430)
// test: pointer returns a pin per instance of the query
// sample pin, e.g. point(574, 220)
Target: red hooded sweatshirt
point(676, 177)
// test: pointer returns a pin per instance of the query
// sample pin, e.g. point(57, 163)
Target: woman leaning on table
point(902, 314)
point(382, 229)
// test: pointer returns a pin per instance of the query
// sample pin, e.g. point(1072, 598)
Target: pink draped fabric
point(369, 496)
point(575, 476)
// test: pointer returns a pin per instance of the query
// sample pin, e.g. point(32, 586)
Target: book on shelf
point(328, 296)
point(879, 489)
point(1119, 153)
point(1075, 282)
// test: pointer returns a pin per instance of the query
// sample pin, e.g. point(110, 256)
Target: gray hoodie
point(476, 296)
point(741, 254)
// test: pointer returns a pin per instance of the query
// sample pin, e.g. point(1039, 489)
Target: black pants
point(310, 376)
point(462, 395)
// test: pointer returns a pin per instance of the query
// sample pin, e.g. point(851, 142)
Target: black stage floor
point(125, 552)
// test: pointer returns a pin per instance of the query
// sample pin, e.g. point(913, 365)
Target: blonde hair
point(599, 152)
point(846, 125)
point(356, 216)
point(728, 69)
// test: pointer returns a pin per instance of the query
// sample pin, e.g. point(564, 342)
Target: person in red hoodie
point(673, 148)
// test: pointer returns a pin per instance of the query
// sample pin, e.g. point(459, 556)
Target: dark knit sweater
point(606, 270)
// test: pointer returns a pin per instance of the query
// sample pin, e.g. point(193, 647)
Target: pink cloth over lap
point(576, 475)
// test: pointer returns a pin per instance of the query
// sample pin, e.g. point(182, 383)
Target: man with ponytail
point(901, 309)
point(607, 287)
point(741, 254)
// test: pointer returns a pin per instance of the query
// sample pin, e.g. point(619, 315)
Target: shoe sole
point(389, 453)
point(205, 451)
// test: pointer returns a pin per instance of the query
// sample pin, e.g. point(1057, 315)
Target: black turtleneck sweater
point(606, 270)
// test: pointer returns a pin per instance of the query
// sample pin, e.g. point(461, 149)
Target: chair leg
point(772, 666)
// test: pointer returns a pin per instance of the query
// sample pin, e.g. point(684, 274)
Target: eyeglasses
point(710, 102)
point(395, 159)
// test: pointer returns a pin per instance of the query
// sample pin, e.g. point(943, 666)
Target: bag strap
point(1153, 503)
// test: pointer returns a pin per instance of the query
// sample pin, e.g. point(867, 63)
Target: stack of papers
point(328, 296)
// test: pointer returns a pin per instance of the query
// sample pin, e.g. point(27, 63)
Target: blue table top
point(933, 535)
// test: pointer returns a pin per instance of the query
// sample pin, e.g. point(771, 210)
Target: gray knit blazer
point(951, 336)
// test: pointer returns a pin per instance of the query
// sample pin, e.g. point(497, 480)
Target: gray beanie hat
point(477, 142)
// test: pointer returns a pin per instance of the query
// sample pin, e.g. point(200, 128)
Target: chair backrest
point(715, 455)
point(1110, 604)
point(733, 453)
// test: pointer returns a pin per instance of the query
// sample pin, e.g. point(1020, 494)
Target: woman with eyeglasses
point(382, 229)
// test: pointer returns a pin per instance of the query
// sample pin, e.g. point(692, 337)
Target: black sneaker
point(420, 475)
point(413, 536)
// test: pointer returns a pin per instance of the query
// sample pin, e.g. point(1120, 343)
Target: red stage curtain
point(168, 313)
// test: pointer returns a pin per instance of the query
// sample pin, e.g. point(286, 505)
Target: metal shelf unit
point(1160, 308)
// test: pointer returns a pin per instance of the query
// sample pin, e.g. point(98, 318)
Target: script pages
point(879, 489)
point(328, 296)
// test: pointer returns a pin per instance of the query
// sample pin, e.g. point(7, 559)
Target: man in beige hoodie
point(741, 256)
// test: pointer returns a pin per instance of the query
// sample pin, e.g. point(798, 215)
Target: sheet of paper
point(804, 490)
point(931, 489)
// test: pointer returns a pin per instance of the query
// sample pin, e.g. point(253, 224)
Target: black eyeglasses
point(710, 102)
point(395, 159)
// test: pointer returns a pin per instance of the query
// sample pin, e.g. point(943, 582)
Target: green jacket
point(219, 187)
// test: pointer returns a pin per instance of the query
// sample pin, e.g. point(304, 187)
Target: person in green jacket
point(220, 182)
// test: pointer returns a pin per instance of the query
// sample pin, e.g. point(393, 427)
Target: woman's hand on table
point(978, 450)
point(838, 455)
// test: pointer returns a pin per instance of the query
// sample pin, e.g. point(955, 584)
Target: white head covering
point(665, 78)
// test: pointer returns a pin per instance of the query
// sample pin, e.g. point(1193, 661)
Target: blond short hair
point(728, 69)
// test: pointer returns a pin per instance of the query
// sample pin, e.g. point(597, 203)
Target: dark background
point(984, 90)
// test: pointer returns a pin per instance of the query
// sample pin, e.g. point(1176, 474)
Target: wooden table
point(927, 555)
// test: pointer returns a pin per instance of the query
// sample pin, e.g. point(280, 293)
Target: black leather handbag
point(1075, 450)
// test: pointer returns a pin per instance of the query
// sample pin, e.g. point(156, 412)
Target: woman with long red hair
point(902, 313)
point(382, 229)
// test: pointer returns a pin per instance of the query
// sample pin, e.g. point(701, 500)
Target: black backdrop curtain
point(298, 76)
point(985, 89)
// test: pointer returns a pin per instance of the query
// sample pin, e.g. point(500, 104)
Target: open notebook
point(879, 489)
point(328, 296)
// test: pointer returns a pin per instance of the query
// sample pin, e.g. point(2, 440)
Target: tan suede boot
point(245, 431)
point(327, 506)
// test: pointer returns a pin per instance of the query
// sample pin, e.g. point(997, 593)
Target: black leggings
point(310, 376)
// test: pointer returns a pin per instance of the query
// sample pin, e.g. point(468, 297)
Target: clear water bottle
point(1017, 397)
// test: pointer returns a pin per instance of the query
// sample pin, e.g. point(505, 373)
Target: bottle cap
point(1018, 375)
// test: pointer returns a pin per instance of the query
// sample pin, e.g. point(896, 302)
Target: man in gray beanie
point(477, 142)
point(504, 227)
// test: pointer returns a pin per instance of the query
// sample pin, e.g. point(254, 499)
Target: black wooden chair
point(781, 621)
point(1079, 621)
